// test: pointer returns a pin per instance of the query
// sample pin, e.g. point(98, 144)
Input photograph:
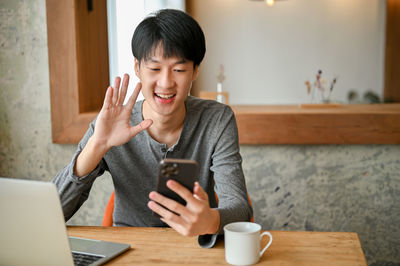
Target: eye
point(154, 69)
point(179, 70)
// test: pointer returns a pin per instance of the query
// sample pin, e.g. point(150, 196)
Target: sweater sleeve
point(74, 191)
point(230, 184)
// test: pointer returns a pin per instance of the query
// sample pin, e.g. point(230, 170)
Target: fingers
point(199, 192)
point(117, 83)
point(177, 226)
point(166, 205)
point(183, 192)
point(145, 124)
point(196, 218)
point(172, 219)
point(123, 90)
point(119, 94)
point(132, 100)
point(108, 98)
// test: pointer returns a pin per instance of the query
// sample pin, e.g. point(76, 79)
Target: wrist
point(215, 222)
point(100, 147)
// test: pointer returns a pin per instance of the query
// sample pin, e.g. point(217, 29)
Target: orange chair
point(108, 213)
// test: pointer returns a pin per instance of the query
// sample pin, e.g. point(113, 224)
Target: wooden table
point(150, 246)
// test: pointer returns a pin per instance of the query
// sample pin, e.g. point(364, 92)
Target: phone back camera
point(169, 170)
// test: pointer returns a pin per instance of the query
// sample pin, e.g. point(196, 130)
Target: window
point(123, 18)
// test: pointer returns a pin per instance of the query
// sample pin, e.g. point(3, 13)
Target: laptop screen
point(32, 227)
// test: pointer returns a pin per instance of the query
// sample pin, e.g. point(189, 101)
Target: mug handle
point(269, 243)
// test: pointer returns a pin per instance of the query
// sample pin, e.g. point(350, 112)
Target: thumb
point(145, 124)
point(199, 192)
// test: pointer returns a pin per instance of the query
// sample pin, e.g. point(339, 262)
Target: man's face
point(166, 82)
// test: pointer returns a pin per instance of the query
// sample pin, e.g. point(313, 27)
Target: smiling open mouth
point(165, 96)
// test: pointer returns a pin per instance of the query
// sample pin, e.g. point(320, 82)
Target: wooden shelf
point(291, 124)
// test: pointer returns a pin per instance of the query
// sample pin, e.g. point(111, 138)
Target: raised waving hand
point(112, 126)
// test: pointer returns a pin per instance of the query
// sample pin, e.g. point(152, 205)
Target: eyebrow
point(181, 61)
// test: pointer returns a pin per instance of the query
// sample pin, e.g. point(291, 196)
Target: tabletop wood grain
point(164, 246)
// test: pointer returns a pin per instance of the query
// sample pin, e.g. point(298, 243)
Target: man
point(129, 141)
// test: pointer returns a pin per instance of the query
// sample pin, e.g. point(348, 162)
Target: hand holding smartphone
point(182, 171)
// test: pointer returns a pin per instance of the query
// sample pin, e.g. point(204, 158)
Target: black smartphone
point(182, 171)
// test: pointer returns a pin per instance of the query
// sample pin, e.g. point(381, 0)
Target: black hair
point(179, 34)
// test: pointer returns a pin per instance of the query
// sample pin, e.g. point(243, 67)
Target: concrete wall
point(321, 188)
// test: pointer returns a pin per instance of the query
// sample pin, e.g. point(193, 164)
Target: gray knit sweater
point(209, 136)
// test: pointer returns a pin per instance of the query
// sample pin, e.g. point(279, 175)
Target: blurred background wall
point(269, 52)
point(318, 188)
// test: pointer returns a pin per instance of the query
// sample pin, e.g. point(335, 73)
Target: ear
point(195, 73)
point(137, 68)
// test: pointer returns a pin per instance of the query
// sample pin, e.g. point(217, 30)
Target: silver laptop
point(33, 232)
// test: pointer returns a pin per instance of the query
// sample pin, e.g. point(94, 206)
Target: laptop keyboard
point(84, 259)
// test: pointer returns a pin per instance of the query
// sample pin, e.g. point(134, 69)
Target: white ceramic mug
point(242, 243)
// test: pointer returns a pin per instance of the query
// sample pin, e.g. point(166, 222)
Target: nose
point(165, 80)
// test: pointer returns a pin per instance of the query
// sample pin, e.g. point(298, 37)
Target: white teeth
point(165, 96)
